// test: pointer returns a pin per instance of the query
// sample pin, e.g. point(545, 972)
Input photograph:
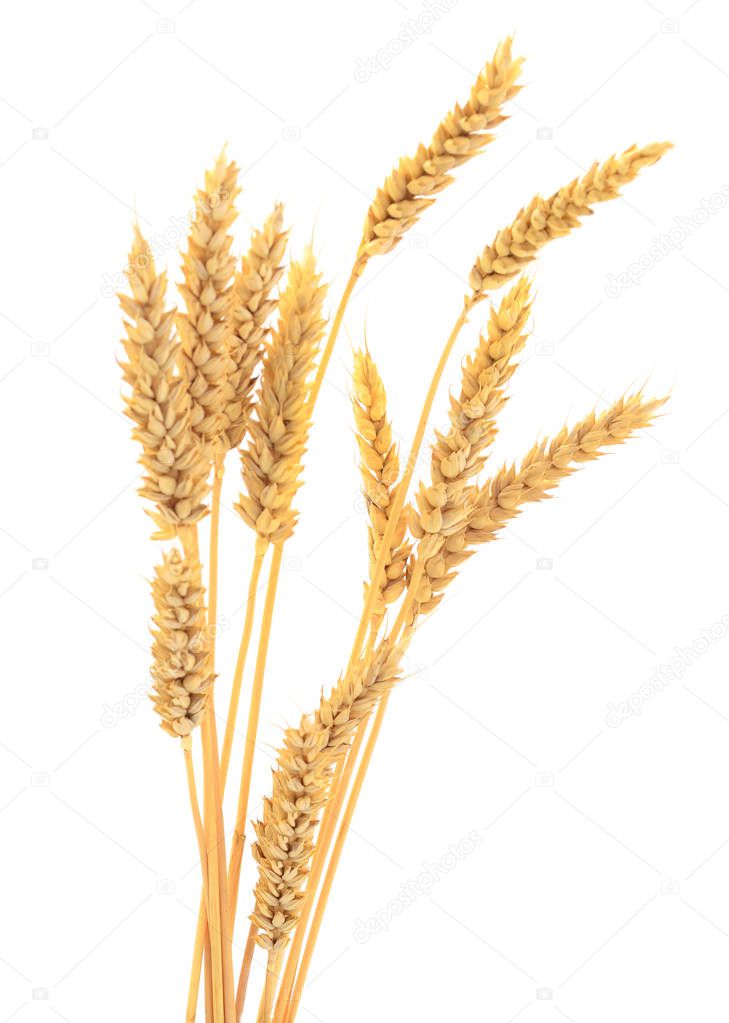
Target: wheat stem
point(331, 341)
point(200, 835)
point(260, 553)
point(190, 544)
point(218, 472)
point(261, 547)
point(245, 971)
point(236, 853)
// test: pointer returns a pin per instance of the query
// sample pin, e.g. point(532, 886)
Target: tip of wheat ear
point(545, 219)
point(181, 667)
point(208, 269)
point(463, 132)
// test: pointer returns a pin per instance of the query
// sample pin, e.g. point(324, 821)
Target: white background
point(597, 890)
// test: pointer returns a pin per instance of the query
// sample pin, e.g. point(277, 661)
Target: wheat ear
point(457, 456)
point(279, 427)
point(176, 470)
point(502, 496)
point(252, 305)
point(412, 185)
point(208, 268)
point(285, 835)
point(181, 669)
point(544, 219)
point(462, 133)
point(380, 469)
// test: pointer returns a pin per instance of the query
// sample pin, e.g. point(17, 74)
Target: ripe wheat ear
point(252, 304)
point(279, 428)
point(544, 219)
point(540, 471)
point(176, 469)
point(380, 470)
point(181, 663)
point(462, 133)
point(208, 268)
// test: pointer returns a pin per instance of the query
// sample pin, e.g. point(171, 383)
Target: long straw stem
point(201, 934)
point(245, 640)
point(205, 901)
point(331, 340)
point(236, 852)
point(245, 971)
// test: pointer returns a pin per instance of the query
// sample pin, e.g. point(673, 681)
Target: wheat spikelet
point(279, 427)
point(252, 305)
point(285, 835)
point(176, 469)
point(208, 268)
point(380, 470)
point(502, 497)
point(544, 219)
point(443, 506)
point(461, 135)
point(181, 668)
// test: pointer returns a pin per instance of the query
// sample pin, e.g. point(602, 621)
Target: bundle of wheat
point(228, 380)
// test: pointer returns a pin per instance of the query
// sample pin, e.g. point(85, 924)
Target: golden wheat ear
point(272, 461)
point(253, 302)
point(442, 505)
point(286, 833)
point(544, 219)
point(549, 462)
point(380, 471)
point(208, 268)
point(181, 663)
point(157, 402)
point(462, 133)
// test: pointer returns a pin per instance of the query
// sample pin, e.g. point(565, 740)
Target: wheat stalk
point(380, 470)
point(176, 470)
point(251, 307)
point(544, 219)
point(278, 430)
point(462, 133)
point(208, 268)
